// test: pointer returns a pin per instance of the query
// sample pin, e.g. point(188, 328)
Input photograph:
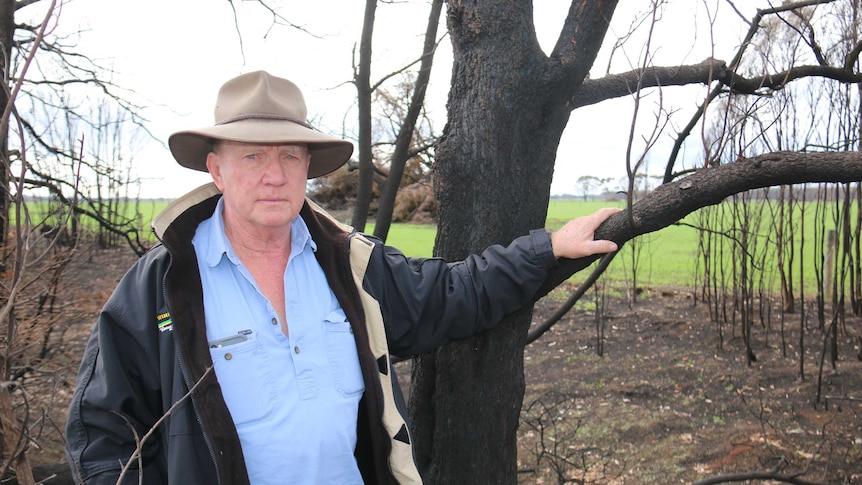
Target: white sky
point(176, 54)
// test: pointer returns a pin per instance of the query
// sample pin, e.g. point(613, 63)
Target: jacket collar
point(169, 215)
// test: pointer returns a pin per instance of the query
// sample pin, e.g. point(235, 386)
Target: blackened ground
point(665, 403)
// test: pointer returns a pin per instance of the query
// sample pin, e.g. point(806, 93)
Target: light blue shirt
point(294, 400)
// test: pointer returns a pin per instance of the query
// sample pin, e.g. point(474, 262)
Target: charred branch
point(131, 235)
point(672, 201)
point(745, 477)
point(711, 70)
point(582, 34)
point(778, 80)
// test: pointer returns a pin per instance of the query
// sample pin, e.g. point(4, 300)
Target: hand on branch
point(575, 239)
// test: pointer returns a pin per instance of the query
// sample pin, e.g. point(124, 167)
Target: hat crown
point(260, 95)
point(260, 108)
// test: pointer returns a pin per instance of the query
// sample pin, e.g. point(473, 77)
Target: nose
point(274, 172)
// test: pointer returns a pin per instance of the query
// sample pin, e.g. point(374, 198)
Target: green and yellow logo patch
point(165, 322)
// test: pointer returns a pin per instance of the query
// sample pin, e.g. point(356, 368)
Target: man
point(255, 340)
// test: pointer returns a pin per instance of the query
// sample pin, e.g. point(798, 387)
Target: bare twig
point(747, 476)
point(11, 430)
point(136, 456)
point(573, 298)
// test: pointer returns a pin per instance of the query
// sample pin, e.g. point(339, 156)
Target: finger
point(604, 246)
point(605, 213)
point(597, 247)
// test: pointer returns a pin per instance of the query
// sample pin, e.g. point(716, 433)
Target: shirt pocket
point(342, 355)
point(244, 374)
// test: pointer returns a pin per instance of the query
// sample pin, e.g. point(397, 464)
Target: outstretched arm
point(575, 239)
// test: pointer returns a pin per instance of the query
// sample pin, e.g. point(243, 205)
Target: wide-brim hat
point(258, 107)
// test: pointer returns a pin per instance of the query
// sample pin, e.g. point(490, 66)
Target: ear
point(214, 168)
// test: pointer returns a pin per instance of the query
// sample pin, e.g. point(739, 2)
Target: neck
point(259, 243)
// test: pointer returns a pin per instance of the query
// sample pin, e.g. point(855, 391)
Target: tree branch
point(744, 477)
point(586, 23)
point(552, 320)
point(778, 80)
point(672, 201)
point(129, 233)
point(618, 85)
point(582, 32)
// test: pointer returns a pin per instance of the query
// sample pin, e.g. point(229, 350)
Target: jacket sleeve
point(428, 302)
point(117, 397)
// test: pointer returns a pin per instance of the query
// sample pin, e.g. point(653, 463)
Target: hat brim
point(191, 147)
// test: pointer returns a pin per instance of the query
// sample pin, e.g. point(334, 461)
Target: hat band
point(264, 117)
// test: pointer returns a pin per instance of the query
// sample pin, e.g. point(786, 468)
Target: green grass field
point(142, 212)
point(411, 239)
point(667, 257)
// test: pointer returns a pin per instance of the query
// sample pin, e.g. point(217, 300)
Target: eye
point(291, 156)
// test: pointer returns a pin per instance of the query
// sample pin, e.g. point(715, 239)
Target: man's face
point(263, 185)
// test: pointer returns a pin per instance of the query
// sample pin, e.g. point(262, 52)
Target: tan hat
point(258, 107)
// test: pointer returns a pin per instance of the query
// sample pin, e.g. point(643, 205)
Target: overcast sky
point(176, 54)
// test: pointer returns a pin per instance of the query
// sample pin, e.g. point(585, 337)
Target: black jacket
point(149, 348)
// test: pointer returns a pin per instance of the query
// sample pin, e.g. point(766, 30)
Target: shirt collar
point(219, 244)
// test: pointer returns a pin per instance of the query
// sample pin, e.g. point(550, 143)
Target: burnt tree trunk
point(362, 79)
point(7, 32)
point(507, 111)
point(403, 142)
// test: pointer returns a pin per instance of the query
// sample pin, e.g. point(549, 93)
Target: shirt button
point(296, 349)
point(228, 356)
point(275, 321)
